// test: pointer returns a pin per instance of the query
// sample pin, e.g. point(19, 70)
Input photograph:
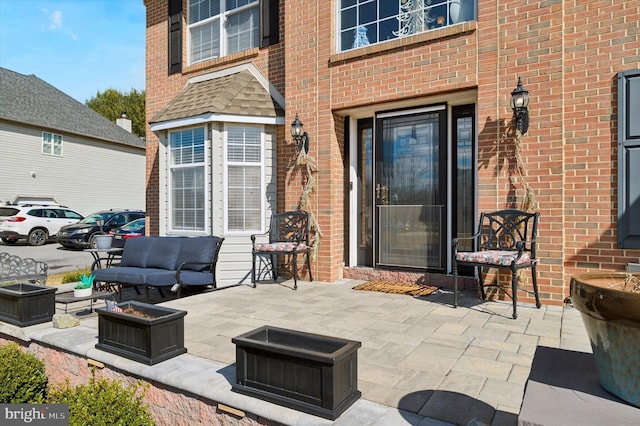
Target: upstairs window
point(51, 144)
point(364, 22)
point(219, 28)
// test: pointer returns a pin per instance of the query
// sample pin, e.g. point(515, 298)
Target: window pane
point(234, 4)
point(203, 9)
point(187, 196)
point(244, 198)
point(187, 146)
point(367, 13)
point(205, 41)
point(244, 181)
point(242, 31)
point(243, 144)
point(348, 18)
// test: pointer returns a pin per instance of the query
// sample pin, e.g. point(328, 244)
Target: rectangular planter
point(147, 340)
point(27, 304)
point(308, 372)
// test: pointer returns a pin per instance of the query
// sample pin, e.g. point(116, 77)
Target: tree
point(111, 103)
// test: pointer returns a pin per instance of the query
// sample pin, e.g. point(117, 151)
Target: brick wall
point(567, 53)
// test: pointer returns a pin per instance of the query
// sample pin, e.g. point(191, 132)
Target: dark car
point(130, 230)
point(81, 234)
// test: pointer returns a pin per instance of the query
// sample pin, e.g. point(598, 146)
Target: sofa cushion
point(147, 276)
point(136, 251)
point(106, 275)
point(196, 278)
point(164, 252)
point(197, 249)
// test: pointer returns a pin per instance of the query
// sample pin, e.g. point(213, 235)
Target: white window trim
point(207, 185)
point(222, 17)
point(52, 152)
point(225, 181)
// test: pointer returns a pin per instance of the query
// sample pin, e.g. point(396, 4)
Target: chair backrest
point(505, 229)
point(290, 227)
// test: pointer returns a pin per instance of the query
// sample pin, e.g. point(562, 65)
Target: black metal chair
point(505, 239)
point(288, 235)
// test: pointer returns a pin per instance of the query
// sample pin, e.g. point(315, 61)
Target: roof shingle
point(234, 94)
point(29, 100)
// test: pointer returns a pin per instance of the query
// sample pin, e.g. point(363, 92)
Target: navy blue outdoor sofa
point(163, 262)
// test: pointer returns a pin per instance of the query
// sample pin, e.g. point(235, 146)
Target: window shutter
point(269, 22)
point(175, 36)
point(629, 159)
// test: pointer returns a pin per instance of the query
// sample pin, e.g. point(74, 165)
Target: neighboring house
point(53, 146)
point(407, 105)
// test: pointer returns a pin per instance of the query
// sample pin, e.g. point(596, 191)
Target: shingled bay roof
point(29, 100)
point(238, 93)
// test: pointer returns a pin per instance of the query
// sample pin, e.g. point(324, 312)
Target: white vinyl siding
point(92, 174)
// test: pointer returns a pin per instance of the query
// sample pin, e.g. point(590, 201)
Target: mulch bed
point(410, 289)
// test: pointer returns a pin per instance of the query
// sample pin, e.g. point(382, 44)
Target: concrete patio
point(422, 362)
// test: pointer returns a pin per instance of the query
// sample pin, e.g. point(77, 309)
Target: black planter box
point(308, 372)
point(147, 340)
point(27, 304)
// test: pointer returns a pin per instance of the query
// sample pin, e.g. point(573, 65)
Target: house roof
point(29, 100)
point(238, 93)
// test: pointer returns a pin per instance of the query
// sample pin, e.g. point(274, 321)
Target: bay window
point(244, 178)
point(187, 179)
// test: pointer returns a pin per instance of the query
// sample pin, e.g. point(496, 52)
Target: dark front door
point(410, 188)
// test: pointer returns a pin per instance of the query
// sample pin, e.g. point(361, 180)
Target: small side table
point(111, 254)
point(68, 297)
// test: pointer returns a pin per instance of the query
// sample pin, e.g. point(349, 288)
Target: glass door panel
point(411, 189)
point(365, 192)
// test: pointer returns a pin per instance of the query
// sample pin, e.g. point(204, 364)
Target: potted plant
point(609, 303)
point(84, 287)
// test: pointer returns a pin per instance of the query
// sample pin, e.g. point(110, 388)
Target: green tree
point(111, 103)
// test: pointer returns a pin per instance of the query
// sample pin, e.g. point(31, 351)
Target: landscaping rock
point(65, 321)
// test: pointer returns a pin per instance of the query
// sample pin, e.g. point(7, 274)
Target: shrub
point(22, 376)
point(74, 276)
point(103, 402)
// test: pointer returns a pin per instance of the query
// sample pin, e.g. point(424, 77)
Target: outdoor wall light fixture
point(300, 137)
point(520, 107)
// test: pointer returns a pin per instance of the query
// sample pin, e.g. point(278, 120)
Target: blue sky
point(78, 46)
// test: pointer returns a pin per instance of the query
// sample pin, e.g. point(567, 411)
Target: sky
point(80, 47)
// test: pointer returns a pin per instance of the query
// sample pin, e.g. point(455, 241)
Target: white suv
point(36, 223)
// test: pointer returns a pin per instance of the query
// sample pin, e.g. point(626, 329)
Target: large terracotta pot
point(611, 317)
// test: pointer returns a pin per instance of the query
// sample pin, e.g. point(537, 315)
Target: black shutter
point(269, 22)
point(629, 159)
point(175, 36)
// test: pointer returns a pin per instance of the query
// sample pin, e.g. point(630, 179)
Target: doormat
point(410, 289)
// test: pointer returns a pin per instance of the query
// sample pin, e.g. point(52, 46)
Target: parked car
point(130, 230)
point(81, 234)
point(35, 223)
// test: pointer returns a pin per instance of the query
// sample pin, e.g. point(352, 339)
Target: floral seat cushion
point(285, 247)
point(492, 257)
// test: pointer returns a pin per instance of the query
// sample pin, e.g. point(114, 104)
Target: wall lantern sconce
point(520, 107)
point(300, 137)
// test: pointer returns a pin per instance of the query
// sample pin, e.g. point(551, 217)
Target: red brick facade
point(568, 54)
